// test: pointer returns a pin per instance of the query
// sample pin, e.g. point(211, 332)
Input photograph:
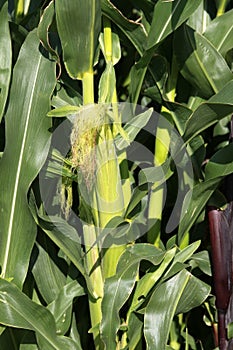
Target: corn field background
point(116, 162)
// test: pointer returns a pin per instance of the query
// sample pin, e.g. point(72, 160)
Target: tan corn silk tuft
point(83, 139)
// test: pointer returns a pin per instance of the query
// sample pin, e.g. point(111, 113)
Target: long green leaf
point(5, 57)
point(200, 18)
point(78, 24)
point(202, 261)
point(74, 334)
point(117, 289)
point(161, 310)
point(17, 310)
point(168, 16)
point(191, 299)
point(176, 296)
point(200, 63)
point(220, 165)
point(148, 281)
point(61, 307)
point(135, 337)
point(46, 22)
point(220, 32)
point(64, 236)
point(25, 152)
point(49, 278)
point(133, 127)
point(210, 112)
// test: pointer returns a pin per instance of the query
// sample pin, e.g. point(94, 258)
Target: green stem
point(19, 10)
point(107, 39)
point(93, 258)
point(222, 7)
point(93, 266)
point(155, 215)
point(155, 206)
point(110, 168)
point(88, 88)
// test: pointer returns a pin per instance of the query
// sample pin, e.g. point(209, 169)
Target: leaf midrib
point(17, 177)
point(224, 39)
point(167, 22)
point(201, 65)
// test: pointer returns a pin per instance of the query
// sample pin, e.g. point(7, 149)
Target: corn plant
point(115, 123)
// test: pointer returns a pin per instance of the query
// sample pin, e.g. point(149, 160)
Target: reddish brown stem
point(222, 333)
point(220, 243)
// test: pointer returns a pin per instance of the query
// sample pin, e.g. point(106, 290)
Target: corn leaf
point(161, 310)
point(132, 128)
point(209, 112)
point(200, 63)
point(118, 288)
point(25, 152)
point(63, 111)
point(17, 310)
point(148, 281)
point(200, 18)
point(220, 165)
point(189, 298)
point(79, 46)
point(220, 32)
point(135, 32)
point(176, 295)
point(5, 57)
point(61, 307)
point(135, 338)
point(49, 278)
point(64, 236)
point(107, 84)
point(168, 16)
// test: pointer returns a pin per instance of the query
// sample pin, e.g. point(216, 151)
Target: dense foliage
point(114, 139)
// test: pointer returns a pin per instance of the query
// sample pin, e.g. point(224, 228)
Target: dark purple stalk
point(221, 237)
point(220, 266)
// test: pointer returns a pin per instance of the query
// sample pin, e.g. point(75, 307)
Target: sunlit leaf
point(78, 46)
point(118, 288)
point(17, 310)
point(25, 152)
point(200, 63)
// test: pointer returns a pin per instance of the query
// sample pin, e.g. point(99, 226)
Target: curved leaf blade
point(64, 236)
point(220, 165)
point(17, 310)
point(191, 299)
point(61, 307)
point(210, 112)
point(200, 63)
point(161, 310)
point(118, 288)
point(49, 278)
point(25, 152)
point(176, 295)
point(167, 17)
